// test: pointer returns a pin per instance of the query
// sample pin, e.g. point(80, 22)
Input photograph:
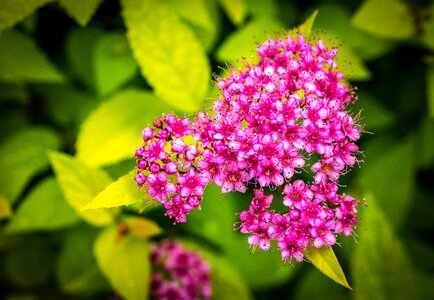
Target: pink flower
point(168, 168)
point(297, 195)
point(159, 186)
point(232, 178)
point(178, 273)
point(191, 183)
point(155, 151)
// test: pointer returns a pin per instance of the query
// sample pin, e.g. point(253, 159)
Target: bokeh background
point(83, 77)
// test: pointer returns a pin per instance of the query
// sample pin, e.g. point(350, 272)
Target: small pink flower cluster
point(178, 273)
point(171, 166)
point(282, 124)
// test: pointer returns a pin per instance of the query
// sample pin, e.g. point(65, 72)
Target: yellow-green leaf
point(125, 263)
point(428, 29)
point(142, 228)
point(202, 16)
point(5, 208)
point(21, 60)
point(112, 132)
point(170, 57)
point(390, 19)
point(22, 156)
point(123, 191)
point(80, 10)
point(13, 11)
point(305, 29)
point(236, 10)
point(80, 184)
point(324, 259)
point(43, 209)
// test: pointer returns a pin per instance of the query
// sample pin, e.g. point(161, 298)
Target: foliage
point(80, 79)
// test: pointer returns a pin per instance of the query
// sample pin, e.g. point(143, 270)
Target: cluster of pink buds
point(178, 273)
point(282, 124)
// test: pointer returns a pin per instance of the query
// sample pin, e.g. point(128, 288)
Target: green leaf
point(430, 90)
point(123, 191)
point(349, 63)
point(80, 45)
point(112, 52)
point(169, 55)
point(314, 285)
point(336, 18)
point(5, 208)
point(388, 172)
point(30, 23)
point(14, 92)
point(21, 60)
point(425, 146)
point(93, 55)
point(215, 223)
point(67, 105)
point(236, 10)
point(121, 168)
point(77, 269)
point(12, 121)
point(242, 43)
point(80, 10)
point(385, 18)
point(215, 219)
point(202, 16)
point(125, 263)
point(381, 267)
point(226, 281)
point(324, 259)
point(80, 184)
point(30, 265)
point(260, 8)
point(374, 115)
point(112, 132)
point(305, 29)
point(22, 156)
point(13, 11)
point(43, 209)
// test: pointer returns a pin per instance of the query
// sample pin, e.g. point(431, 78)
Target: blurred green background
point(83, 77)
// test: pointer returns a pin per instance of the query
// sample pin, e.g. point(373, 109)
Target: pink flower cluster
point(282, 124)
point(170, 163)
point(178, 273)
